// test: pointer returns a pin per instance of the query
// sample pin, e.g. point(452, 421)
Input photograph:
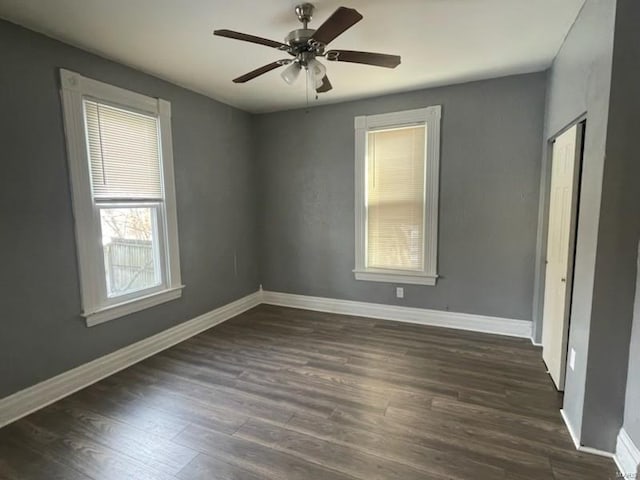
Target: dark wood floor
point(289, 394)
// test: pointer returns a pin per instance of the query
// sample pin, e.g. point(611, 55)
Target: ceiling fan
point(305, 44)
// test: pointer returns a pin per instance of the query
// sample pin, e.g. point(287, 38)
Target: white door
point(560, 239)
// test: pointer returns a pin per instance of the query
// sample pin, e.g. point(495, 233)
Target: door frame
point(543, 230)
point(571, 254)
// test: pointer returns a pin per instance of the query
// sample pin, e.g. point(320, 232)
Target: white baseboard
point(576, 440)
point(44, 393)
point(422, 316)
point(627, 455)
point(572, 433)
point(534, 343)
point(26, 401)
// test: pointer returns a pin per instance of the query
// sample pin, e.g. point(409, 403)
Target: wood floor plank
point(580, 465)
point(159, 453)
point(258, 459)
point(18, 462)
point(440, 438)
point(339, 457)
point(107, 402)
point(204, 467)
point(80, 453)
point(405, 449)
point(269, 403)
point(181, 406)
point(553, 432)
point(333, 395)
point(282, 394)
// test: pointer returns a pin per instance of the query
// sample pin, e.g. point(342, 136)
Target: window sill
point(395, 277)
point(121, 309)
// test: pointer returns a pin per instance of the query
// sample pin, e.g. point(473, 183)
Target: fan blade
point(257, 72)
point(251, 38)
point(341, 20)
point(326, 85)
point(367, 58)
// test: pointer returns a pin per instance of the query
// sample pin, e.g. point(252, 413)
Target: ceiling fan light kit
point(316, 72)
point(306, 44)
point(291, 73)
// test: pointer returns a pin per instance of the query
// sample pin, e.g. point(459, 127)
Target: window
point(121, 165)
point(397, 161)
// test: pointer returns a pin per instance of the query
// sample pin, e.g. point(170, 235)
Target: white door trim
point(627, 455)
point(555, 355)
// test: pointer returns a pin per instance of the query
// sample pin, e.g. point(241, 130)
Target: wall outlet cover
point(399, 292)
point(572, 359)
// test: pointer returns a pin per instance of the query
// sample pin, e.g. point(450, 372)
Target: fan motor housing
point(299, 38)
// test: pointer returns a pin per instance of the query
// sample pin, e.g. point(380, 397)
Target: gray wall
point(299, 202)
point(632, 402)
point(596, 73)
point(490, 164)
point(41, 332)
point(618, 235)
point(579, 83)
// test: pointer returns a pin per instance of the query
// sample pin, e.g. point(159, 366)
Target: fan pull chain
point(307, 89)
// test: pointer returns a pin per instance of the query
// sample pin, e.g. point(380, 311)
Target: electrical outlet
point(572, 359)
point(399, 292)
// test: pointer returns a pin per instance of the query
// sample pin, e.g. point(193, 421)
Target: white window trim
point(74, 87)
point(429, 116)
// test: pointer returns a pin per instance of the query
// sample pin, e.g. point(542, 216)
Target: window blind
point(395, 198)
point(123, 152)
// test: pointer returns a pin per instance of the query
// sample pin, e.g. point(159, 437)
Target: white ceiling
point(441, 41)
